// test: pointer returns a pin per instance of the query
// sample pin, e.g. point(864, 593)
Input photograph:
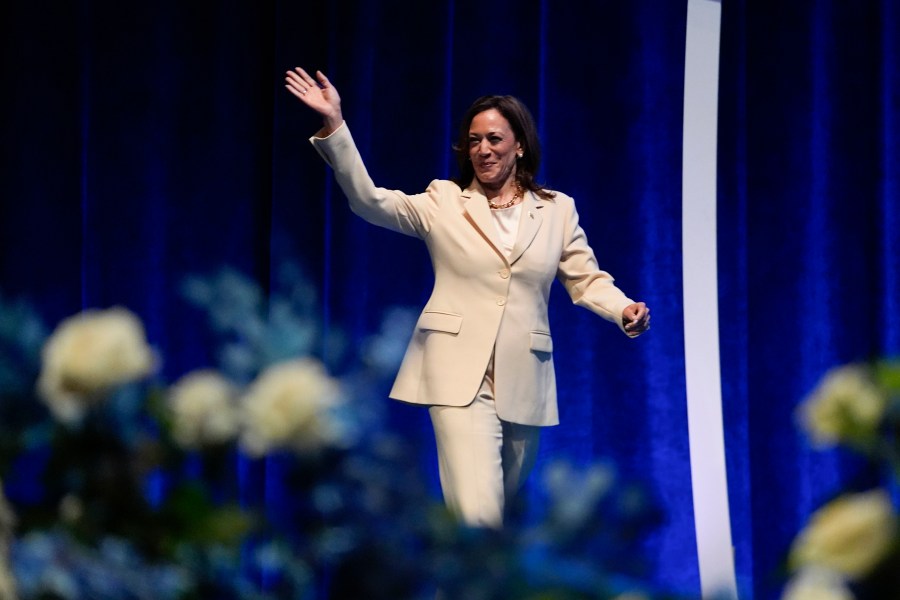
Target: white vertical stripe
point(701, 307)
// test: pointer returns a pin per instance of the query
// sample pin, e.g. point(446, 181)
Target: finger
point(294, 92)
point(309, 81)
point(637, 331)
point(296, 89)
point(638, 317)
point(294, 81)
point(641, 313)
point(294, 77)
point(322, 79)
point(638, 326)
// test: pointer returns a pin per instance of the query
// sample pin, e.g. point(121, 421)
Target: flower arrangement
point(88, 355)
point(267, 476)
point(850, 548)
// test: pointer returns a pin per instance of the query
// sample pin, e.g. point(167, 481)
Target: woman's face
point(492, 148)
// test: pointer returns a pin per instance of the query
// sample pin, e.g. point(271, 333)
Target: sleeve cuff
point(316, 135)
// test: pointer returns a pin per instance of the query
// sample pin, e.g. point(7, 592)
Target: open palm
point(320, 96)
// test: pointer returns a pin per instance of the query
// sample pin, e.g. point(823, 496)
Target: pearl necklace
point(516, 197)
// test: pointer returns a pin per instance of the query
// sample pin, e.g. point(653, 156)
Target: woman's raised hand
point(320, 96)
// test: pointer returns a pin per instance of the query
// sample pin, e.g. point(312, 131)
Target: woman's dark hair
point(522, 124)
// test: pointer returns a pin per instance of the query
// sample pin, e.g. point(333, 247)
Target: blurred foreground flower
point(203, 409)
point(116, 508)
point(851, 548)
point(849, 535)
point(815, 583)
point(89, 354)
point(846, 406)
point(55, 565)
point(292, 406)
point(570, 511)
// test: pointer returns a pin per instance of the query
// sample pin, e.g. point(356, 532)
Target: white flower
point(202, 405)
point(846, 405)
point(89, 354)
point(813, 583)
point(291, 405)
point(850, 535)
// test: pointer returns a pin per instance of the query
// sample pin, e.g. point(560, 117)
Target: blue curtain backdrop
point(809, 242)
point(144, 142)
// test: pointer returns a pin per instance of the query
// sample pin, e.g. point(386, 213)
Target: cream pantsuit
point(486, 307)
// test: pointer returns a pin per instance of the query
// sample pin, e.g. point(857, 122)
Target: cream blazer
point(483, 303)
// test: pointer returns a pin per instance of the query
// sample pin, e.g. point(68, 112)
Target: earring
point(520, 155)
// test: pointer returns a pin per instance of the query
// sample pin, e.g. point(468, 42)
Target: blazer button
point(501, 301)
point(504, 274)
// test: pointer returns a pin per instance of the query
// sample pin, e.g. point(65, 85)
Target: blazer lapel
point(479, 215)
point(529, 223)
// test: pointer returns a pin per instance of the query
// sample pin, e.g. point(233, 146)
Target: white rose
point(846, 405)
point(850, 535)
point(202, 405)
point(816, 584)
point(89, 354)
point(290, 406)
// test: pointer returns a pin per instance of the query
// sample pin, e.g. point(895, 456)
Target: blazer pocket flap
point(541, 341)
point(440, 321)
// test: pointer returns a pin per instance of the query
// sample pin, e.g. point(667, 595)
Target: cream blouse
point(507, 222)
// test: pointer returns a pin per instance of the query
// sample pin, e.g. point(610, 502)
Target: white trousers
point(482, 459)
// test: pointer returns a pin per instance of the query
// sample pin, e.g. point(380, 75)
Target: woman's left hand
point(320, 96)
point(636, 319)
